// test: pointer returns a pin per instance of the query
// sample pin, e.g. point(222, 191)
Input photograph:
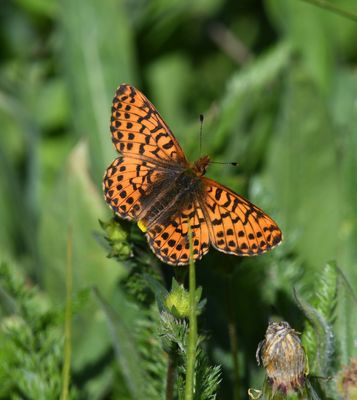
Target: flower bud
point(117, 238)
point(178, 302)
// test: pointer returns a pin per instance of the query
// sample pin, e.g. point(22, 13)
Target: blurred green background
point(277, 83)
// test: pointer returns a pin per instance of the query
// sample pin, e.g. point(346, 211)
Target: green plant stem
point(68, 321)
point(331, 7)
point(180, 275)
point(192, 333)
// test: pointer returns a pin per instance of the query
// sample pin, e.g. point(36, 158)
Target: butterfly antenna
point(201, 121)
point(212, 162)
point(235, 164)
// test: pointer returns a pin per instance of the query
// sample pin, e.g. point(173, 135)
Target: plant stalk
point(192, 333)
point(68, 321)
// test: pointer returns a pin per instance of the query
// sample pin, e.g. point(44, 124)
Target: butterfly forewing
point(126, 181)
point(138, 129)
point(237, 226)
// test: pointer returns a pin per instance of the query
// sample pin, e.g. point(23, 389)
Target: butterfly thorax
point(199, 167)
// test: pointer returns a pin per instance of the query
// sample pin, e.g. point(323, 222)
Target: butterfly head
point(199, 167)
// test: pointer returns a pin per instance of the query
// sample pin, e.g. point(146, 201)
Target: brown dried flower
point(283, 358)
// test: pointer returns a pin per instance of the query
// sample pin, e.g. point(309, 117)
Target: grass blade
point(68, 321)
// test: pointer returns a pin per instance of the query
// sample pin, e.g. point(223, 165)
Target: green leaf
point(345, 327)
point(74, 202)
point(97, 53)
point(319, 338)
point(126, 350)
point(305, 186)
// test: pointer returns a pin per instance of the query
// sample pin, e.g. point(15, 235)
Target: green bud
point(117, 238)
point(114, 231)
point(121, 250)
point(178, 302)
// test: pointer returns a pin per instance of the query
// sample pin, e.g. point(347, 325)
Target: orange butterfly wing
point(235, 225)
point(170, 242)
point(139, 131)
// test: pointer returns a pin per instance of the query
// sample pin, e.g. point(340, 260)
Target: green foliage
point(31, 341)
point(140, 382)
point(319, 338)
point(125, 243)
point(173, 331)
point(322, 335)
point(157, 335)
point(207, 377)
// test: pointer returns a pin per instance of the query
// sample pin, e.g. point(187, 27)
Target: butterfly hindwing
point(138, 129)
point(237, 226)
point(170, 242)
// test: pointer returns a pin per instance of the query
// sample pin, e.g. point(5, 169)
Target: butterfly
point(152, 183)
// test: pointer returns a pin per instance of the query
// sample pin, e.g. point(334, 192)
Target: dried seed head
point(283, 358)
